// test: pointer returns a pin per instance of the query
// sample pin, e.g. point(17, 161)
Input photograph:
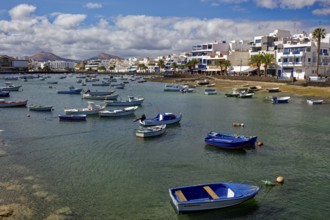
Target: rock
point(6, 211)
point(64, 213)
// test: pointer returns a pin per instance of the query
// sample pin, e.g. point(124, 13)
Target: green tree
point(256, 60)
point(224, 64)
point(161, 64)
point(267, 59)
point(175, 66)
point(192, 65)
point(318, 34)
point(142, 66)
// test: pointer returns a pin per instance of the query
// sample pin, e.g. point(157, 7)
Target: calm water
point(100, 170)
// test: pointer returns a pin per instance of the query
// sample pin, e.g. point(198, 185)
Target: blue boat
point(4, 94)
point(72, 90)
point(229, 141)
point(211, 196)
point(278, 100)
point(72, 117)
point(161, 119)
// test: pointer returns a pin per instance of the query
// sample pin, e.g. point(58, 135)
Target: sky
point(80, 29)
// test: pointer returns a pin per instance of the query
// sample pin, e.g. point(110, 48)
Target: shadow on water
point(224, 151)
point(242, 210)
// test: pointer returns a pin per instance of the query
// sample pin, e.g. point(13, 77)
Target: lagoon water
point(100, 170)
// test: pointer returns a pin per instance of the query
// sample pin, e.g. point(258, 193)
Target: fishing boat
point(211, 196)
point(229, 141)
point(99, 93)
point(40, 108)
point(18, 103)
point(151, 131)
point(100, 97)
point(131, 101)
point(172, 88)
point(210, 92)
point(314, 101)
point(72, 117)
point(4, 94)
point(203, 82)
point(101, 84)
point(10, 87)
point(71, 90)
point(234, 93)
point(92, 108)
point(278, 100)
point(245, 95)
point(160, 119)
point(118, 112)
point(276, 89)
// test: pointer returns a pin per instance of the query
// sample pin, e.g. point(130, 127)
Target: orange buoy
point(260, 143)
point(280, 179)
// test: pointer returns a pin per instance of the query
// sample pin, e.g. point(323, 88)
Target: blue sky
point(79, 29)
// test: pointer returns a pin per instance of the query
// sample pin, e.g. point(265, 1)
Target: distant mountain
point(46, 56)
point(104, 56)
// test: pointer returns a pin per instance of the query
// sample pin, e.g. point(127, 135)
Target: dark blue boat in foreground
point(229, 141)
point(72, 117)
point(211, 196)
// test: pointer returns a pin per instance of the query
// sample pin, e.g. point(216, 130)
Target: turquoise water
point(100, 170)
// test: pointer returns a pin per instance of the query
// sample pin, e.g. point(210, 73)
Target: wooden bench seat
point(181, 196)
point(211, 192)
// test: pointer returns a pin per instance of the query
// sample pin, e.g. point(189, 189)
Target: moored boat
point(131, 101)
point(40, 108)
point(71, 90)
point(100, 97)
point(72, 117)
point(4, 94)
point(10, 87)
point(99, 93)
point(118, 112)
point(92, 108)
point(245, 95)
point(210, 91)
point(276, 89)
point(160, 119)
point(314, 101)
point(172, 88)
point(229, 141)
point(18, 103)
point(151, 131)
point(278, 100)
point(211, 196)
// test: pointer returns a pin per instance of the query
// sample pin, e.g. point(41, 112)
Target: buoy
point(260, 143)
point(28, 115)
point(280, 179)
point(237, 124)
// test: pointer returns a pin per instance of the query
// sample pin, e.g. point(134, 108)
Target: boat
point(186, 89)
point(10, 87)
point(277, 100)
point(172, 88)
point(40, 107)
point(229, 141)
point(71, 90)
point(99, 93)
point(210, 92)
point(151, 131)
point(18, 103)
point(4, 94)
point(234, 93)
point(92, 108)
point(245, 95)
point(211, 196)
point(314, 101)
point(253, 89)
point(118, 112)
point(72, 117)
point(131, 101)
point(100, 97)
point(160, 119)
point(101, 84)
point(203, 82)
point(52, 82)
point(210, 85)
point(276, 89)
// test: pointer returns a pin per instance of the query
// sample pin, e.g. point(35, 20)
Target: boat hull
point(156, 121)
point(222, 195)
point(40, 108)
point(8, 104)
point(150, 131)
point(314, 102)
point(72, 117)
point(119, 112)
point(229, 141)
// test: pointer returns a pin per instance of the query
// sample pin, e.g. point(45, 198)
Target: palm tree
point(142, 66)
point(161, 64)
point(226, 64)
point(174, 66)
point(192, 65)
point(257, 60)
point(267, 59)
point(318, 34)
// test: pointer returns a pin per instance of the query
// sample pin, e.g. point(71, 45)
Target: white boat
point(132, 101)
point(186, 89)
point(10, 87)
point(100, 93)
point(314, 101)
point(151, 131)
point(18, 103)
point(100, 97)
point(161, 119)
point(276, 89)
point(210, 92)
point(118, 112)
point(245, 95)
point(277, 100)
point(172, 88)
point(92, 108)
point(40, 108)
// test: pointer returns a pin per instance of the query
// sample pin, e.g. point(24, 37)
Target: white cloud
point(92, 5)
point(125, 36)
point(22, 11)
point(323, 11)
point(69, 20)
